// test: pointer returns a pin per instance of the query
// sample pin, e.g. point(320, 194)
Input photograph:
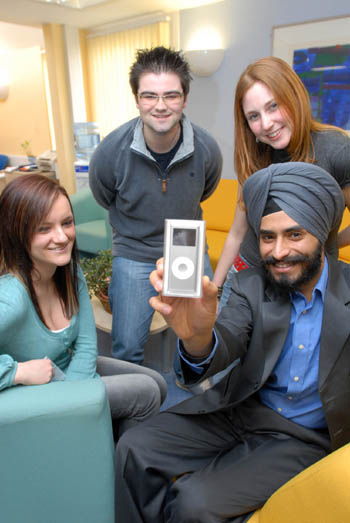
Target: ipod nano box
point(184, 247)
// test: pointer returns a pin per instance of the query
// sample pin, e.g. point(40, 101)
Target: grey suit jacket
point(252, 330)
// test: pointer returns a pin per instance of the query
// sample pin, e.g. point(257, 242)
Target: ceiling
point(76, 4)
point(35, 13)
point(18, 36)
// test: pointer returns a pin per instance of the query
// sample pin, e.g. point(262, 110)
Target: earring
point(257, 140)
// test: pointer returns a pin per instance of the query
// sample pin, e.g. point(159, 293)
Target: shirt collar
point(323, 280)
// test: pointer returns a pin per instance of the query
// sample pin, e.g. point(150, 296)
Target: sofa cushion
point(344, 253)
point(215, 240)
point(218, 212)
point(219, 208)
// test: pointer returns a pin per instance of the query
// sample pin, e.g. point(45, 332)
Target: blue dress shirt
point(292, 388)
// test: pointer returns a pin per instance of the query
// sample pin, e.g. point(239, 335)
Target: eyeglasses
point(170, 99)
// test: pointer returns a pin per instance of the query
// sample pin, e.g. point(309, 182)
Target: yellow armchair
point(344, 252)
point(218, 212)
point(319, 494)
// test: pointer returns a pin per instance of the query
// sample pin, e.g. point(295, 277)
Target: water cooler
point(86, 139)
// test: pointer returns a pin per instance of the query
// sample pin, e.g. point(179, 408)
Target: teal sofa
point(57, 454)
point(93, 230)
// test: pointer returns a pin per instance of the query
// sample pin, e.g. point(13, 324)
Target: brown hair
point(23, 204)
point(292, 98)
point(160, 60)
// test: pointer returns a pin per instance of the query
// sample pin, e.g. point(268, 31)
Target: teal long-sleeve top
point(23, 336)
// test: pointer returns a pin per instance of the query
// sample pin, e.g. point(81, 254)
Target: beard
point(286, 285)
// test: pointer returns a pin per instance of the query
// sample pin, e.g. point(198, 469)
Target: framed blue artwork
point(319, 52)
point(325, 72)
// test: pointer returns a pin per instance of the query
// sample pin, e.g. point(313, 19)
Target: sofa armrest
point(57, 453)
point(85, 207)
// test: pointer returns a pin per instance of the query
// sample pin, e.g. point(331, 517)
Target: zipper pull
point(163, 184)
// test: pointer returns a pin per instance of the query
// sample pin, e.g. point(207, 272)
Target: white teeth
point(272, 135)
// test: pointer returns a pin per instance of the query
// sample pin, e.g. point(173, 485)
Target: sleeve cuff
point(197, 364)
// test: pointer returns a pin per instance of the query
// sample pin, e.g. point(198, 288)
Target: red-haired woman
point(47, 326)
point(274, 124)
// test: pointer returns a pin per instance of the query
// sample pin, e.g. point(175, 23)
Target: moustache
point(271, 260)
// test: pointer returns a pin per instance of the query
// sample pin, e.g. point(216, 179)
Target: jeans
point(129, 293)
point(226, 291)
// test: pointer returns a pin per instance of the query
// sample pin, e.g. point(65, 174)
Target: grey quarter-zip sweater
point(126, 179)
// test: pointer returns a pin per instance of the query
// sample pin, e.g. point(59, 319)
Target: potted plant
point(27, 149)
point(98, 272)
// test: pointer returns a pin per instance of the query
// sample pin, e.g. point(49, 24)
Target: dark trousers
point(209, 468)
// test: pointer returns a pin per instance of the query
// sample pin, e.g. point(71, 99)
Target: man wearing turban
point(284, 334)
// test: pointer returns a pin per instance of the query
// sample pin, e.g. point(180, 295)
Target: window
point(109, 58)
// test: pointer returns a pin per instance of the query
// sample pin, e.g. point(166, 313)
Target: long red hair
point(293, 100)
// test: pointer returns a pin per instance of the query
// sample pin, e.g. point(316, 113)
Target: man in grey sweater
point(154, 167)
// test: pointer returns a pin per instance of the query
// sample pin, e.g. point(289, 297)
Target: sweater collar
point(186, 148)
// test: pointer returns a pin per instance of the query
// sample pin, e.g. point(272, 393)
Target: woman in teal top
point(47, 329)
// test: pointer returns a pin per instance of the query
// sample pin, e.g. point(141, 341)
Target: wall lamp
point(205, 50)
point(204, 62)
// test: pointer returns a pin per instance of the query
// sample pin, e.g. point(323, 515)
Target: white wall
point(75, 71)
point(246, 28)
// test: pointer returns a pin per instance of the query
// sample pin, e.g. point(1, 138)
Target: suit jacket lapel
point(276, 319)
point(336, 320)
